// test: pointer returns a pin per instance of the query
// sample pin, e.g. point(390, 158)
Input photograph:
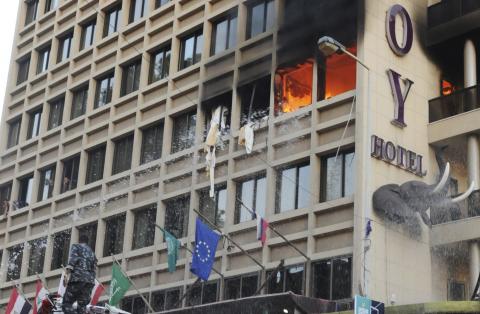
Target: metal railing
point(458, 102)
point(447, 10)
point(465, 209)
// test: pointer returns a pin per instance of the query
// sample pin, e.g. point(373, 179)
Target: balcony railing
point(464, 209)
point(447, 10)
point(458, 102)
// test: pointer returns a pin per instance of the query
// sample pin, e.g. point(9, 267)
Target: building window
point(64, 46)
point(287, 279)
point(79, 102)
point(5, 193)
point(115, 228)
point(159, 3)
point(137, 10)
point(214, 209)
point(191, 49)
point(183, 136)
point(253, 194)
point(224, 34)
point(159, 64)
point(60, 250)
point(152, 143)
point(222, 103)
point(338, 176)
point(23, 67)
point(261, 17)
point(456, 291)
point(103, 94)
point(47, 180)
point(255, 100)
point(292, 188)
point(56, 113)
point(241, 287)
point(31, 12)
point(332, 279)
point(111, 21)
point(25, 191)
point(135, 304)
point(293, 86)
point(43, 59)
point(88, 34)
point(90, 231)
point(131, 77)
point(34, 123)
point(37, 256)
point(15, 256)
point(166, 299)
point(96, 161)
point(144, 228)
point(70, 173)
point(176, 216)
point(122, 156)
point(204, 293)
point(50, 5)
point(13, 132)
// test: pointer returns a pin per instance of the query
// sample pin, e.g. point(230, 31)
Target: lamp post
point(328, 46)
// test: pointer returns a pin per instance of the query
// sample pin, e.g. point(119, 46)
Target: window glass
point(13, 133)
point(349, 174)
point(47, 180)
point(56, 114)
point(176, 216)
point(232, 288)
point(15, 256)
point(122, 157)
point(5, 193)
point(270, 15)
point(321, 279)
point(103, 94)
point(70, 173)
point(160, 64)
point(37, 256)
point(34, 124)
point(96, 161)
point(115, 228)
point(144, 228)
point(276, 282)
point(249, 285)
point(332, 278)
point(191, 49)
point(338, 176)
point(43, 59)
point(303, 187)
point(131, 77)
point(252, 193)
point(31, 12)
point(241, 287)
point(51, 5)
point(25, 191)
point(294, 280)
point(261, 18)
point(61, 248)
point(159, 3)
point(135, 304)
point(111, 21)
point(90, 231)
point(221, 36)
point(288, 187)
point(172, 299)
point(183, 131)
point(79, 102)
point(257, 17)
point(23, 67)
point(334, 178)
point(88, 33)
point(214, 208)
point(152, 143)
point(209, 293)
point(64, 46)
point(137, 10)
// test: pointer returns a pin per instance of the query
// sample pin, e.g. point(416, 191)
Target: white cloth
point(249, 137)
point(217, 125)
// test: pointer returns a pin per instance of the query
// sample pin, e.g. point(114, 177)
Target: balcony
point(458, 102)
point(465, 209)
point(451, 18)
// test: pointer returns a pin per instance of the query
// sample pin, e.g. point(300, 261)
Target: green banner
point(172, 246)
point(118, 286)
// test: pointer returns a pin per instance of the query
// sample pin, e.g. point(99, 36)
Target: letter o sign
point(403, 48)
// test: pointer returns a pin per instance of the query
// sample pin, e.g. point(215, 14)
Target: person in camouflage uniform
point(81, 273)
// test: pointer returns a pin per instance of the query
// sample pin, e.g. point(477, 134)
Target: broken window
point(252, 192)
point(56, 113)
point(61, 249)
point(166, 299)
point(338, 176)
point(135, 304)
point(95, 165)
point(47, 180)
point(241, 287)
point(183, 136)
point(90, 231)
point(13, 132)
point(287, 279)
point(176, 216)
point(152, 140)
point(261, 17)
point(122, 156)
point(115, 228)
point(34, 123)
point(37, 256)
point(332, 278)
point(220, 105)
point(70, 173)
point(456, 291)
point(144, 227)
point(25, 191)
point(14, 266)
point(336, 74)
point(255, 100)
point(203, 293)
point(293, 86)
point(5, 191)
point(214, 209)
point(79, 102)
point(292, 188)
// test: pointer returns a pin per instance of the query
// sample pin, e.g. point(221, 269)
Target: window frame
point(137, 66)
point(42, 183)
point(92, 235)
point(196, 34)
point(240, 288)
point(43, 59)
point(5, 197)
point(278, 188)
point(109, 77)
point(170, 206)
point(30, 19)
point(60, 257)
point(324, 177)
point(250, 7)
point(165, 50)
point(115, 10)
point(49, 7)
point(25, 184)
point(127, 141)
point(89, 176)
point(34, 123)
point(160, 3)
point(202, 292)
point(175, 134)
point(238, 195)
point(164, 293)
point(19, 258)
point(57, 104)
point(229, 17)
point(66, 38)
point(284, 271)
point(85, 42)
point(331, 279)
point(23, 69)
point(205, 197)
point(83, 104)
point(158, 130)
point(37, 264)
point(17, 122)
point(148, 229)
point(110, 240)
point(72, 184)
point(132, 14)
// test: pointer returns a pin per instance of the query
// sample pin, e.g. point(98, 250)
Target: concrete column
point(473, 153)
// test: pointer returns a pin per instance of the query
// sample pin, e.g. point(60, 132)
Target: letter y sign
point(399, 96)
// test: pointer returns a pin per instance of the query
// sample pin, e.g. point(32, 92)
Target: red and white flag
point(17, 304)
point(40, 295)
point(97, 291)
point(262, 226)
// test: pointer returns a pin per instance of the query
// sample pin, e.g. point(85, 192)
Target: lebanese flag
point(96, 292)
point(262, 226)
point(17, 304)
point(39, 297)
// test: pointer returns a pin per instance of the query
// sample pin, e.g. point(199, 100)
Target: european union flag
point(206, 242)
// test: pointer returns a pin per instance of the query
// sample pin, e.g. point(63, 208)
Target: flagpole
point(134, 286)
point(229, 238)
point(45, 286)
point(277, 233)
point(190, 251)
point(274, 272)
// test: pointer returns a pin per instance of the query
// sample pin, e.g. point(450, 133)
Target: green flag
point(118, 286)
point(172, 248)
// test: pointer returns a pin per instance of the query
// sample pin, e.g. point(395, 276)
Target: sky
point(8, 16)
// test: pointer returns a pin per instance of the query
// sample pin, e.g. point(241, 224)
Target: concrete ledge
point(432, 308)
point(455, 231)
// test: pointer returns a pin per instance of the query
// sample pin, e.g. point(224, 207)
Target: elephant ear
point(387, 200)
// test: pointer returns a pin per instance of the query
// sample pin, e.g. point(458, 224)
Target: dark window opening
point(34, 123)
point(253, 194)
point(79, 102)
point(255, 100)
point(166, 299)
point(37, 256)
point(338, 176)
point(203, 293)
point(13, 132)
point(135, 304)
point(70, 173)
point(25, 190)
point(293, 188)
point(287, 279)
point(88, 35)
point(159, 64)
point(31, 12)
point(111, 21)
point(15, 256)
point(152, 140)
point(183, 136)
point(47, 180)
point(214, 209)
point(159, 3)
point(95, 165)
point(191, 49)
point(51, 5)
point(43, 59)
point(55, 118)
point(241, 287)
point(221, 105)
point(122, 156)
point(23, 68)
point(137, 10)
point(61, 249)
point(90, 231)
point(176, 216)
point(64, 47)
point(103, 93)
point(131, 77)
point(5, 193)
point(144, 228)
point(115, 228)
point(261, 18)
point(224, 35)
point(332, 278)
point(456, 291)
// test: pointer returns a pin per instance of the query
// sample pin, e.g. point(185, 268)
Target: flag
point(206, 242)
point(40, 295)
point(61, 286)
point(17, 304)
point(97, 291)
point(172, 248)
point(262, 226)
point(118, 286)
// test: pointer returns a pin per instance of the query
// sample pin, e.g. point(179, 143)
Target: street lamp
point(329, 46)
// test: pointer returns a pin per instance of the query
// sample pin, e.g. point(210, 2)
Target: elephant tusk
point(466, 194)
point(444, 179)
